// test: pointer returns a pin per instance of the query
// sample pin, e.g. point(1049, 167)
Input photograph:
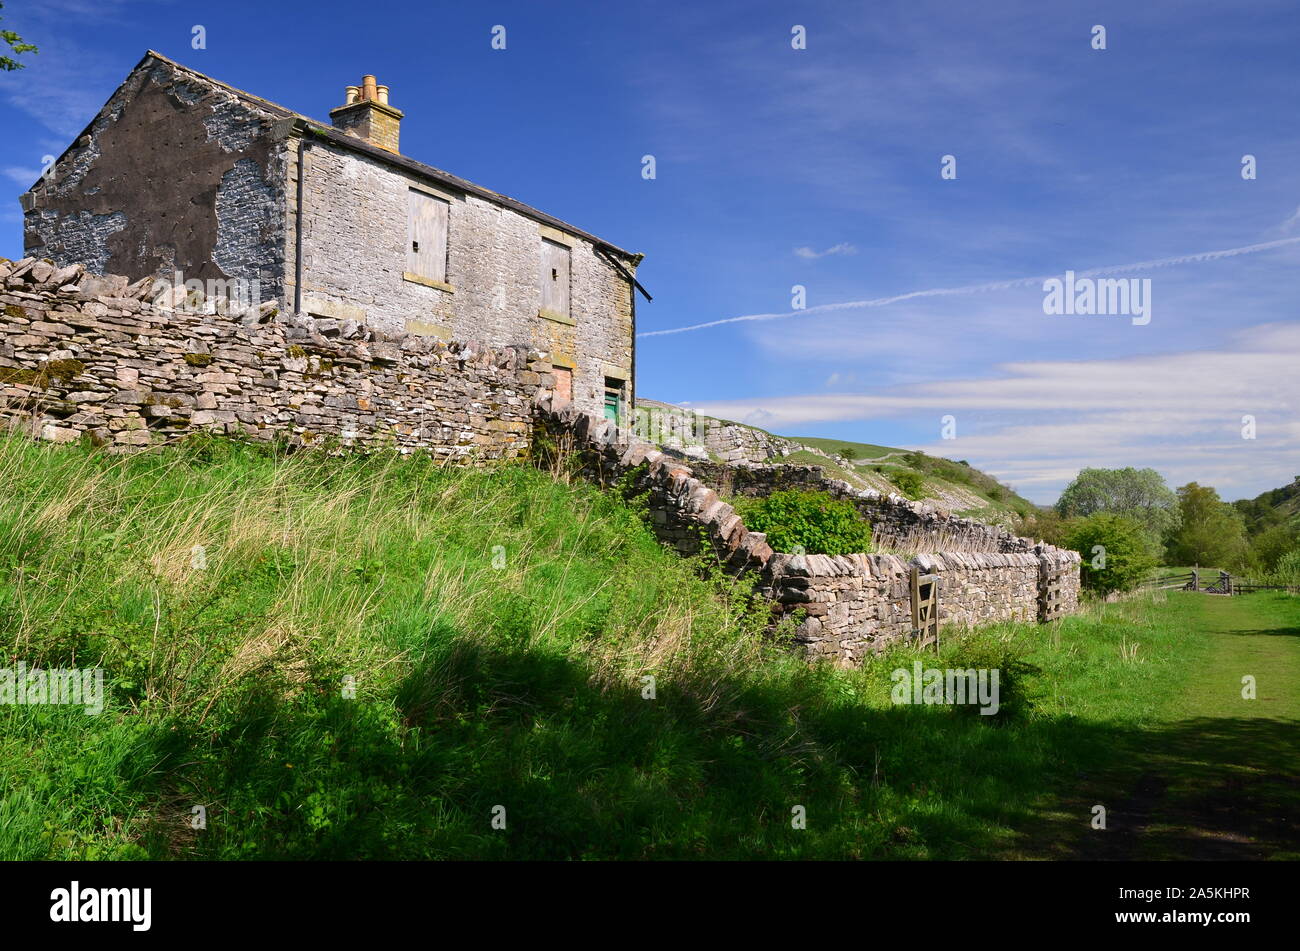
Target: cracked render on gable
point(173, 175)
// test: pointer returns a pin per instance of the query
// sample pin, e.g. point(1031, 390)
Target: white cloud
point(988, 286)
point(1036, 423)
point(74, 80)
point(23, 176)
point(810, 254)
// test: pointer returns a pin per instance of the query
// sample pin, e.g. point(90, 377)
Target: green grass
point(1210, 774)
point(861, 450)
point(498, 626)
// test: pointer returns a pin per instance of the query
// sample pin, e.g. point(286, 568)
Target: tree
point(16, 45)
point(1116, 551)
point(1048, 525)
point(1287, 569)
point(1139, 494)
point(1271, 543)
point(1211, 532)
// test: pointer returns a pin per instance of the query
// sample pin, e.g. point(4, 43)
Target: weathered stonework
point(88, 357)
point(174, 174)
point(181, 174)
point(702, 437)
point(850, 605)
point(354, 249)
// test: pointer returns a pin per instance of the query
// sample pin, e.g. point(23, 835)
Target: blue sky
point(820, 167)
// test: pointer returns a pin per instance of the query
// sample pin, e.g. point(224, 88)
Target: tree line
point(1125, 522)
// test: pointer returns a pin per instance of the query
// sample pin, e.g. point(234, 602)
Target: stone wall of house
point(847, 605)
point(91, 357)
point(355, 241)
point(180, 175)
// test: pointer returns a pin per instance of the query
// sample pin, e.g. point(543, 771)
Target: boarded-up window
point(427, 254)
point(563, 385)
point(555, 277)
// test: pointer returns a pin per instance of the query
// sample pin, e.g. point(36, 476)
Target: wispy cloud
point(1036, 423)
point(20, 175)
point(1198, 257)
point(810, 254)
point(74, 80)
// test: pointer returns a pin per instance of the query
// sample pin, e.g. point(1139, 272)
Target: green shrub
point(1116, 551)
point(1018, 690)
point(1287, 570)
point(911, 484)
point(812, 521)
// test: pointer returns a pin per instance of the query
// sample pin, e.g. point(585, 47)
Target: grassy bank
point(365, 658)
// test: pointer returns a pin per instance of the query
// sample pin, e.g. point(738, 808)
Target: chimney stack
point(366, 114)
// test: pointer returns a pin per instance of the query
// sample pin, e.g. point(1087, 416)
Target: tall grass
point(359, 658)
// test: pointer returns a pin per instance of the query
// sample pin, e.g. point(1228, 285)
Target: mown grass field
point(365, 658)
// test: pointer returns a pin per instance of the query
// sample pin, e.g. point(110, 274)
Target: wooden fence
point(1199, 579)
point(1187, 581)
point(1250, 587)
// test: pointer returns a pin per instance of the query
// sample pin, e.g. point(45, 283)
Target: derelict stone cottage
point(405, 308)
point(185, 178)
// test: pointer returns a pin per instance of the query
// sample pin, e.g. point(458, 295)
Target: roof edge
point(305, 123)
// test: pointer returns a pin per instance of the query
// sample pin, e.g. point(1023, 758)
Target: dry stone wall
point(848, 605)
point(90, 357)
point(897, 523)
point(83, 356)
point(701, 437)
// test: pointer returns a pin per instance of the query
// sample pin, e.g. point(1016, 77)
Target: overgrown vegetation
point(362, 658)
point(910, 483)
point(809, 521)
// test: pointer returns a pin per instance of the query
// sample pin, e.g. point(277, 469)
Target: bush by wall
point(808, 521)
point(911, 484)
point(1116, 551)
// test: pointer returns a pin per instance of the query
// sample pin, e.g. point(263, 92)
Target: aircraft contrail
point(978, 288)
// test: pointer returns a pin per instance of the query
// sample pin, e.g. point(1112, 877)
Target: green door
point(611, 406)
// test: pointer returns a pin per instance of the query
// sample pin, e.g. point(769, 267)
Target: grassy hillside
point(366, 658)
point(1274, 507)
point(953, 486)
point(963, 487)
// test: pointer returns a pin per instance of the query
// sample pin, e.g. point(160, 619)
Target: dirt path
point(1220, 777)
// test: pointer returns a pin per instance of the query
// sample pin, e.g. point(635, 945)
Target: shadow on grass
point(1277, 631)
point(708, 769)
point(1206, 788)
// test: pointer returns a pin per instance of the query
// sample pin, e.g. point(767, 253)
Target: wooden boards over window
point(555, 278)
point(426, 255)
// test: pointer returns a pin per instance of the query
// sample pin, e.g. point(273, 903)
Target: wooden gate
point(1222, 586)
point(925, 609)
